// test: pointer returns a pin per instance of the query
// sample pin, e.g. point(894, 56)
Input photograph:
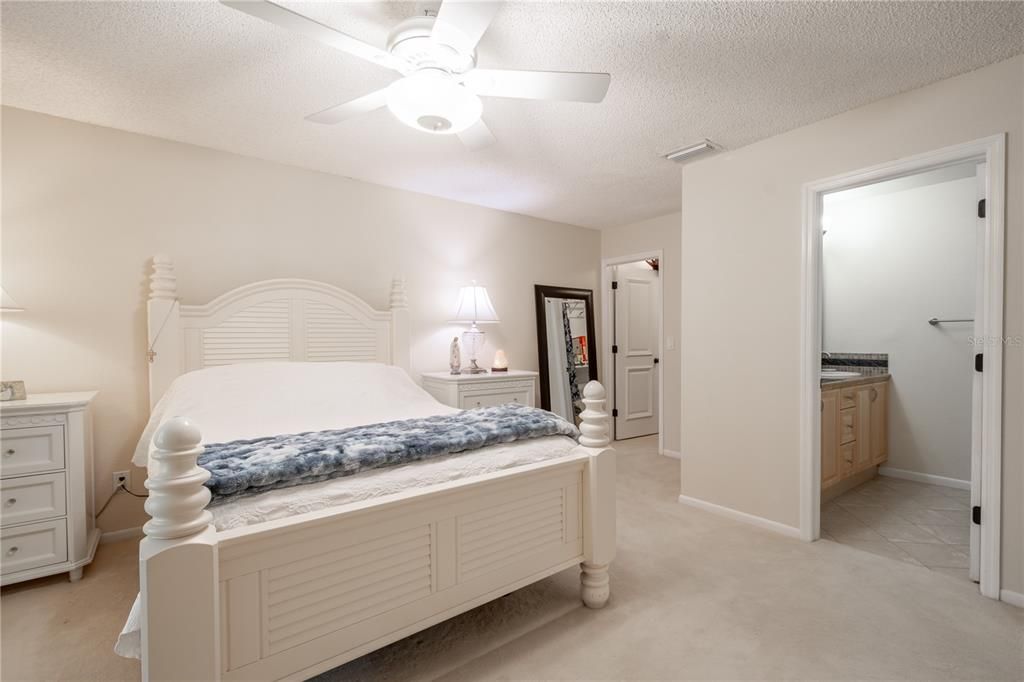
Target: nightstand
point(46, 507)
point(467, 391)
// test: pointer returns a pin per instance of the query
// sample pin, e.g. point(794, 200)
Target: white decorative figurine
point(455, 356)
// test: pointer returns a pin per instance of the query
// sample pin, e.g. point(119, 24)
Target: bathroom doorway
point(632, 344)
point(900, 439)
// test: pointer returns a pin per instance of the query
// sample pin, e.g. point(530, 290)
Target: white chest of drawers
point(46, 479)
point(466, 391)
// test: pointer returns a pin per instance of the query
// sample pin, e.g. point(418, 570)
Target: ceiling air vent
point(689, 151)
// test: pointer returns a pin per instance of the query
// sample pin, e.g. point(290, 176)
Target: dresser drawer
point(483, 398)
point(31, 450)
point(847, 426)
point(32, 498)
point(848, 398)
point(33, 545)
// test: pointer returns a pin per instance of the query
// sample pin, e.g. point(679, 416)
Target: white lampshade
point(474, 306)
point(8, 304)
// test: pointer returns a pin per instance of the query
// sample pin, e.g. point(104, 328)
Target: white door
point(637, 309)
point(976, 395)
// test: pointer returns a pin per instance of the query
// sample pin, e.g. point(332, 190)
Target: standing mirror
point(566, 348)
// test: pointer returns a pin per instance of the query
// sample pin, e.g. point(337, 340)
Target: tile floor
point(920, 524)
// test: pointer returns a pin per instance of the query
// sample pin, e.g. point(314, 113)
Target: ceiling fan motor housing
point(412, 41)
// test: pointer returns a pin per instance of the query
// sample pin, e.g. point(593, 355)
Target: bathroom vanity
point(854, 428)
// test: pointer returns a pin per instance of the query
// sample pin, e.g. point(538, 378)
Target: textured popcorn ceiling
point(733, 72)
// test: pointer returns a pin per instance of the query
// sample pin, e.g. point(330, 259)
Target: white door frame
point(993, 151)
point(607, 320)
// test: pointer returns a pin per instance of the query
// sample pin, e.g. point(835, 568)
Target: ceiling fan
point(441, 86)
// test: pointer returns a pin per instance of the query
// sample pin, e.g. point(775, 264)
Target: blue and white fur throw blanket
point(249, 467)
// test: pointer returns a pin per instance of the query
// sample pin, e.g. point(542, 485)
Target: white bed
point(289, 583)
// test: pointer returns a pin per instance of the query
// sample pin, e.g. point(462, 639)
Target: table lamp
point(474, 307)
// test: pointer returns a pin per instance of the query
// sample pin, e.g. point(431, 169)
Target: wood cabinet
point(829, 446)
point(879, 398)
point(854, 429)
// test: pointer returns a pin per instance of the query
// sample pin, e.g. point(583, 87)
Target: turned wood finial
point(177, 497)
point(398, 298)
point(594, 426)
point(163, 283)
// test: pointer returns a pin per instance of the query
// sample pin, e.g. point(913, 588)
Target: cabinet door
point(879, 398)
point(862, 451)
point(829, 438)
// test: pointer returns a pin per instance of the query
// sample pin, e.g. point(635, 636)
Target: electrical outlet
point(121, 478)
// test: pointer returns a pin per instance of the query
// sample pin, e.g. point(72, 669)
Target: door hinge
point(979, 362)
point(976, 515)
point(656, 360)
point(615, 285)
point(615, 412)
point(981, 208)
point(615, 349)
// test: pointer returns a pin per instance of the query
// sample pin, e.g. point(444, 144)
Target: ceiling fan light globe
point(432, 101)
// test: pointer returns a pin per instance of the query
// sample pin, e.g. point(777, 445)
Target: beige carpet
point(694, 596)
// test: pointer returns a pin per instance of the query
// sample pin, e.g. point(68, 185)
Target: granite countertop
point(854, 381)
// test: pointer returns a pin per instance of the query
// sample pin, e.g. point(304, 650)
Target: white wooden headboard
point(279, 319)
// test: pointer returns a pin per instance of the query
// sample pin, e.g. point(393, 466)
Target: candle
point(500, 362)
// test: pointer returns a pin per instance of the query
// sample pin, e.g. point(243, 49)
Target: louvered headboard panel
point(274, 320)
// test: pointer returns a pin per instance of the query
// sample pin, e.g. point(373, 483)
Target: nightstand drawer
point(32, 498)
point(33, 545)
point(31, 450)
point(469, 400)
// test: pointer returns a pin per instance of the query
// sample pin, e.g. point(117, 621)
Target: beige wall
point(741, 223)
point(85, 207)
point(662, 233)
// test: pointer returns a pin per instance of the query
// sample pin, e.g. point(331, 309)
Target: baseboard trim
point(123, 534)
point(671, 453)
point(924, 478)
point(728, 512)
point(1012, 598)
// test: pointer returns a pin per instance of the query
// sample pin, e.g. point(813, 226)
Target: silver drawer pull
point(12, 550)
point(12, 501)
point(8, 452)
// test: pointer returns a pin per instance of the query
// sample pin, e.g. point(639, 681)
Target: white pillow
point(249, 400)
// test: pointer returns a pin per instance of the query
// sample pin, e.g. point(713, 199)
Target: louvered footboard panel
point(335, 587)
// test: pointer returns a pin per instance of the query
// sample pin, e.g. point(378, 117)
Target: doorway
point(930, 424)
point(632, 342)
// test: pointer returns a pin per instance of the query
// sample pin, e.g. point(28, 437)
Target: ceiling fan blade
point(567, 86)
point(285, 18)
point(351, 109)
point(477, 136)
point(462, 24)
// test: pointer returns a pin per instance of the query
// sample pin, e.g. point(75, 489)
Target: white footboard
point(295, 597)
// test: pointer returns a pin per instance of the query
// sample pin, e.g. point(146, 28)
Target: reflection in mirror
point(566, 348)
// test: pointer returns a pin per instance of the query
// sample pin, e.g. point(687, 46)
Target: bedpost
point(399, 324)
point(599, 507)
point(164, 337)
point(178, 558)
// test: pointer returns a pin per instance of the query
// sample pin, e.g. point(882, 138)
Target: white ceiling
point(202, 73)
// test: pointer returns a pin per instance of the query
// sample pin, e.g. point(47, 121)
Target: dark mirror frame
point(541, 292)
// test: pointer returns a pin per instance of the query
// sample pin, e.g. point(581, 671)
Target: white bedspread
point(246, 401)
